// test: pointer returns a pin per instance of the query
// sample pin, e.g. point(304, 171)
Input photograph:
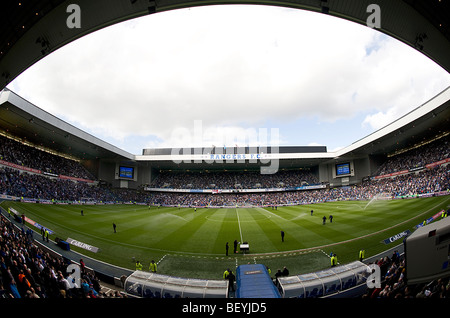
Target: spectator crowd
point(417, 157)
point(37, 186)
point(17, 153)
point(234, 179)
point(394, 284)
point(427, 181)
point(26, 271)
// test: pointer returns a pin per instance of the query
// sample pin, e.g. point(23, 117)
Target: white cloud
point(336, 149)
point(218, 136)
point(315, 144)
point(234, 68)
point(380, 119)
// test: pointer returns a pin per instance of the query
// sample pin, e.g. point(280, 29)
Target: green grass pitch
point(191, 243)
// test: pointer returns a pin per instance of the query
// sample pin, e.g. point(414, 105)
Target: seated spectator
point(26, 271)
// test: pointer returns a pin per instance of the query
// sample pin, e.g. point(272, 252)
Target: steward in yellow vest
point(333, 260)
point(153, 266)
point(361, 255)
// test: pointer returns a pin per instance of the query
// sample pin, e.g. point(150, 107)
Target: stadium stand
point(22, 177)
point(28, 272)
point(394, 284)
point(16, 153)
point(432, 180)
point(233, 180)
point(418, 157)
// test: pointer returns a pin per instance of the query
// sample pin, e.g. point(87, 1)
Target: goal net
point(382, 196)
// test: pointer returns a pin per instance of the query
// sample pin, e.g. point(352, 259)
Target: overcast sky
point(234, 70)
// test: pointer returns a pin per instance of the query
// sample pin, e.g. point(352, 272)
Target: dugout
point(254, 281)
point(323, 283)
point(152, 285)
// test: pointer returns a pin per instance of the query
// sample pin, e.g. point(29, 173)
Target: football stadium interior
point(74, 204)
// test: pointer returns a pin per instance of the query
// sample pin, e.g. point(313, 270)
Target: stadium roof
point(22, 119)
point(424, 123)
point(31, 30)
